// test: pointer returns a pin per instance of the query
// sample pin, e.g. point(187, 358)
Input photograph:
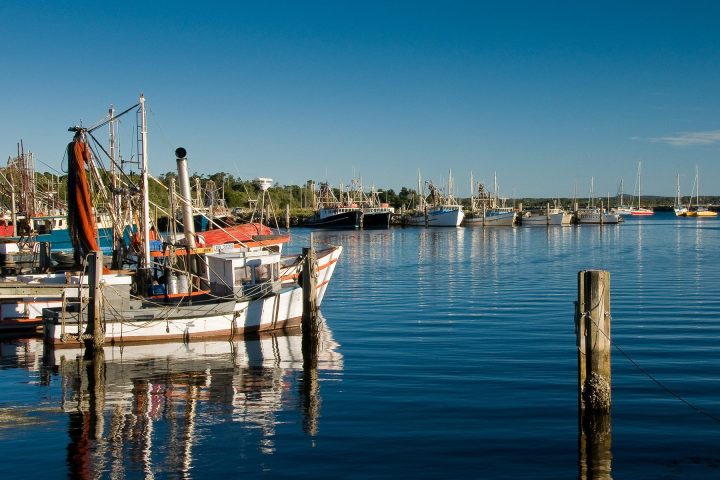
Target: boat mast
point(117, 240)
point(495, 188)
point(146, 194)
point(639, 180)
point(420, 193)
point(472, 192)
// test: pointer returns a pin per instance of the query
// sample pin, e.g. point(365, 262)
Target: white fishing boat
point(246, 295)
point(594, 215)
point(597, 216)
point(548, 216)
point(177, 291)
point(437, 209)
point(488, 209)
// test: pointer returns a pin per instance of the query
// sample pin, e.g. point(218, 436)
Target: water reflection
point(595, 445)
point(148, 408)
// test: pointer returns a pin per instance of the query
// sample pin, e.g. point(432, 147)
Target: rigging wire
point(643, 370)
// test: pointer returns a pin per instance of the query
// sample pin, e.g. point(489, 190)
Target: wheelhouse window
point(243, 276)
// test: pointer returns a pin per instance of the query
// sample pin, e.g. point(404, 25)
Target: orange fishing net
point(81, 219)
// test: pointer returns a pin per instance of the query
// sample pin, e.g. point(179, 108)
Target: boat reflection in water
point(141, 408)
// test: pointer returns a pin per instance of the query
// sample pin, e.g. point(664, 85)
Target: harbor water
point(444, 353)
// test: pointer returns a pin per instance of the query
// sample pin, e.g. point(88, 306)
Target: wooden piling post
point(94, 331)
point(309, 283)
point(592, 322)
point(547, 214)
point(593, 339)
point(310, 339)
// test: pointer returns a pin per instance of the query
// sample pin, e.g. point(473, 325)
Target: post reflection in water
point(145, 408)
point(595, 445)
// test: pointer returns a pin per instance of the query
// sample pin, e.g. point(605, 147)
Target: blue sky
point(547, 94)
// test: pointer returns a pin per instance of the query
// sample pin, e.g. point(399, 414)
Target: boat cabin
point(244, 273)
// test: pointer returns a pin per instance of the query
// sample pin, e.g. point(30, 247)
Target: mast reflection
point(146, 408)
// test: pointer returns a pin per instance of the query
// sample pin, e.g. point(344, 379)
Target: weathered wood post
point(309, 283)
point(593, 339)
point(310, 333)
point(592, 324)
point(547, 213)
point(94, 334)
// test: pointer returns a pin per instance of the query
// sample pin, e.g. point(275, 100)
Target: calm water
point(447, 353)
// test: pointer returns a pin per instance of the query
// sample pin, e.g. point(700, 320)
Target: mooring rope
point(637, 365)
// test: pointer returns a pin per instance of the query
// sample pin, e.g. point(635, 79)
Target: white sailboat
point(622, 209)
point(639, 210)
point(679, 209)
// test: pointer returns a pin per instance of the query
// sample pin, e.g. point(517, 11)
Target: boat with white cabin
point(547, 216)
point(488, 209)
point(436, 209)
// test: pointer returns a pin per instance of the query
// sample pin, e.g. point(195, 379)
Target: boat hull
point(437, 217)
point(186, 322)
point(500, 219)
point(341, 220)
point(598, 218)
point(22, 303)
point(703, 213)
point(542, 220)
point(376, 220)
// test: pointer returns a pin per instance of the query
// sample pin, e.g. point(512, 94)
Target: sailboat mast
point(144, 179)
point(639, 180)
